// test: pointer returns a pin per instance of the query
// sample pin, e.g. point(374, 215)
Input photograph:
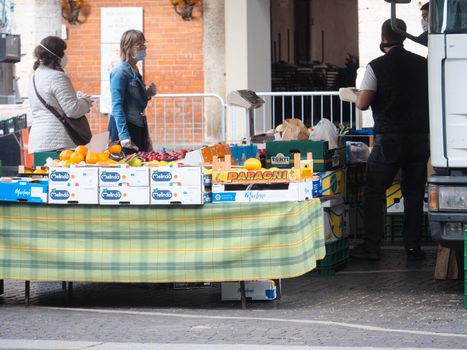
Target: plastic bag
point(294, 129)
point(357, 152)
point(325, 131)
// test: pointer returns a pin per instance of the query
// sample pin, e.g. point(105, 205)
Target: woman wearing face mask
point(53, 85)
point(130, 96)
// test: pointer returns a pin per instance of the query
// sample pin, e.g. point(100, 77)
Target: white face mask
point(425, 25)
point(64, 61)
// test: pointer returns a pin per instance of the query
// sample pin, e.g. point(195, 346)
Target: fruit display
point(164, 156)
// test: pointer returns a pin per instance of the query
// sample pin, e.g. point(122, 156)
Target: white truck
point(447, 79)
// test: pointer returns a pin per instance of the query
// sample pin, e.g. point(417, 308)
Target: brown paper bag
point(294, 129)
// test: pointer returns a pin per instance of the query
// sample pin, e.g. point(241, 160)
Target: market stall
point(230, 242)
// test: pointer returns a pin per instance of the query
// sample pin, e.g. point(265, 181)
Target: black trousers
point(390, 153)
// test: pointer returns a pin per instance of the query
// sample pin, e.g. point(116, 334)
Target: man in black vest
point(395, 85)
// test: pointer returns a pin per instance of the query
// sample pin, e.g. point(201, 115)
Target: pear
point(136, 161)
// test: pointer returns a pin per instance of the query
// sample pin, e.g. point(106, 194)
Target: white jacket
point(47, 132)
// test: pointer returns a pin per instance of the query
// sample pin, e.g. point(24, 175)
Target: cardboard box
point(395, 200)
point(332, 182)
point(124, 194)
point(336, 219)
point(78, 176)
point(280, 154)
point(291, 192)
point(170, 176)
point(186, 195)
point(254, 290)
point(118, 176)
point(23, 190)
point(73, 195)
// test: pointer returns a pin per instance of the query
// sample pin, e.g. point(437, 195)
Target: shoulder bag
point(78, 129)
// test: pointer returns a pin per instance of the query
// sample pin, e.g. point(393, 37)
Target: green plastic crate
point(41, 157)
point(337, 255)
point(393, 224)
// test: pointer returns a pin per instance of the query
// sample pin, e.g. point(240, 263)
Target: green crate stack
point(355, 183)
point(465, 269)
point(393, 224)
point(337, 254)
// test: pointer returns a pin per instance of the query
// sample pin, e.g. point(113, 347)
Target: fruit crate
point(355, 183)
point(393, 224)
point(337, 254)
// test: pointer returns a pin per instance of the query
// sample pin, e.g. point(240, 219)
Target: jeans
point(138, 135)
point(391, 152)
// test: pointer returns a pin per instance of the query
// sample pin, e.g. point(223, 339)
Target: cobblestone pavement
point(391, 303)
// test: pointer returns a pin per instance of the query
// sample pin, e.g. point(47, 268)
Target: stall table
point(136, 244)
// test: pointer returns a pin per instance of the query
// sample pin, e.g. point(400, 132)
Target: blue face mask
point(140, 55)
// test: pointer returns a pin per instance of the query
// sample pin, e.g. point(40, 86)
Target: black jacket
point(400, 105)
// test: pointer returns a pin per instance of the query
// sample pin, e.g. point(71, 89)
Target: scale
point(248, 100)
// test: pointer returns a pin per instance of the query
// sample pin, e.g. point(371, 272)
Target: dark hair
point(425, 7)
point(51, 59)
point(128, 40)
point(390, 34)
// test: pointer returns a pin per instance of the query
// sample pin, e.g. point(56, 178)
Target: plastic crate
point(337, 255)
point(355, 183)
point(393, 224)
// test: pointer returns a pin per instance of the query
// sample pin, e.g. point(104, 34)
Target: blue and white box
point(254, 290)
point(121, 195)
point(76, 176)
point(185, 195)
point(23, 190)
point(169, 176)
point(72, 195)
point(118, 176)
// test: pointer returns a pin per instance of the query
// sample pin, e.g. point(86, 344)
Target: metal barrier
point(310, 107)
point(189, 120)
point(176, 120)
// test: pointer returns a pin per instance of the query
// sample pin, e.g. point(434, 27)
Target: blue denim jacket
point(129, 99)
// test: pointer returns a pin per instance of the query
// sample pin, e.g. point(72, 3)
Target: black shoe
point(414, 254)
point(362, 252)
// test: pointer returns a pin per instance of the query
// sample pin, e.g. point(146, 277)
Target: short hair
point(50, 53)
point(425, 7)
point(390, 34)
point(128, 41)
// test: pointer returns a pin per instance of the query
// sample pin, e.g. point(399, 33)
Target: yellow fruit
point(82, 149)
point(76, 157)
point(252, 164)
point(115, 148)
point(65, 154)
point(163, 163)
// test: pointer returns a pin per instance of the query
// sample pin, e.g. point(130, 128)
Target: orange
point(115, 148)
point(92, 158)
point(82, 149)
point(252, 164)
point(102, 156)
point(76, 157)
point(65, 154)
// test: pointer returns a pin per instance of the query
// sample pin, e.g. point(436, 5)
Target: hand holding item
point(84, 96)
point(128, 144)
point(151, 90)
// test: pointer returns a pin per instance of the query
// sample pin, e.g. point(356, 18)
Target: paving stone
point(400, 298)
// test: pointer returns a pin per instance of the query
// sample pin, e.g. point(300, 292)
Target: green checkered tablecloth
point(217, 242)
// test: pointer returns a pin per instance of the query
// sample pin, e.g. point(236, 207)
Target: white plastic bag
point(357, 152)
point(325, 131)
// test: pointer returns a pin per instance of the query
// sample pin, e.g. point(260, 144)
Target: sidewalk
point(390, 303)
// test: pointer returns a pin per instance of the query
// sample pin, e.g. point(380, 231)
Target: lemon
point(252, 164)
